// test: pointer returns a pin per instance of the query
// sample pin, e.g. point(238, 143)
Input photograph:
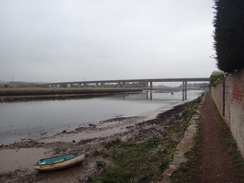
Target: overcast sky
point(76, 40)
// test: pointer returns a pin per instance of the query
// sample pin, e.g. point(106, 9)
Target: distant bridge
point(121, 83)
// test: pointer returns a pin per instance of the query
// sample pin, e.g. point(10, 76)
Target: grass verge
point(186, 170)
point(231, 142)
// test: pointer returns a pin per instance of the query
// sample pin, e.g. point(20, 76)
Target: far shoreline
point(26, 94)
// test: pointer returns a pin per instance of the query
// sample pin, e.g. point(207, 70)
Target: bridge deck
point(135, 80)
point(147, 81)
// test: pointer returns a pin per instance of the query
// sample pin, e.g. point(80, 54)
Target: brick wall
point(217, 95)
point(233, 112)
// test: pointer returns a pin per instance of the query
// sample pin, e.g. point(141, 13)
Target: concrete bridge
point(148, 83)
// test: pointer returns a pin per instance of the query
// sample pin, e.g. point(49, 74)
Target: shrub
point(229, 34)
point(216, 78)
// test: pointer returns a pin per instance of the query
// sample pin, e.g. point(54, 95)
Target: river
point(35, 119)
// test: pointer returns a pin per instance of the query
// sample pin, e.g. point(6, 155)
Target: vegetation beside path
point(214, 157)
point(143, 161)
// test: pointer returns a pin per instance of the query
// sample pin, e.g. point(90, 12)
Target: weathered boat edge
point(61, 165)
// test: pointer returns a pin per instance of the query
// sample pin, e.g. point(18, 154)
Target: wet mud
point(18, 158)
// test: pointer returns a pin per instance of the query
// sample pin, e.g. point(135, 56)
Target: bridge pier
point(124, 84)
point(184, 90)
point(99, 84)
point(147, 85)
point(121, 84)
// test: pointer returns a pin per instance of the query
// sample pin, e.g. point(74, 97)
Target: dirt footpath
point(214, 163)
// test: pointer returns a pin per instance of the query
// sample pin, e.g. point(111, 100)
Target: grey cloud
point(59, 40)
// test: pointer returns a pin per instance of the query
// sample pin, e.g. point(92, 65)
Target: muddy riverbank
point(18, 158)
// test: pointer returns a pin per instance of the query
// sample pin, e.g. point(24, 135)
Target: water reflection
point(34, 119)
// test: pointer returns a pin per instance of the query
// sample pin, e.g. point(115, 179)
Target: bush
point(216, 78)
point(229, 34)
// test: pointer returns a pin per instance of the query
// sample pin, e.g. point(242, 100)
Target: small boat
point(59, 162)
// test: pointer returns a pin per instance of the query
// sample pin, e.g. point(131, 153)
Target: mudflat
point(18, 158)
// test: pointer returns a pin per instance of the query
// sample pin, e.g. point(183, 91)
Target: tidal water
point(35, 119)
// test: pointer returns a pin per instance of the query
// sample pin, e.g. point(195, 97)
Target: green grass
point(233, 150)
point(100, 164)
point(181, 175)
point(136, 162)
point(184, 172)
point(231, 142)
point(144, 161)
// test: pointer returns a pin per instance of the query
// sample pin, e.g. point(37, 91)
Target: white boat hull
point(60, 165)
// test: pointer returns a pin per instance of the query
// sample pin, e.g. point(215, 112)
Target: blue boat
point(59, 162)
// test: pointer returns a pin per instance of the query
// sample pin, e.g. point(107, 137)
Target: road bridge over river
point(148, 83)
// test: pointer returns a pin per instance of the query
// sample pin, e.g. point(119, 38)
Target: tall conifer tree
point(229, 34)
